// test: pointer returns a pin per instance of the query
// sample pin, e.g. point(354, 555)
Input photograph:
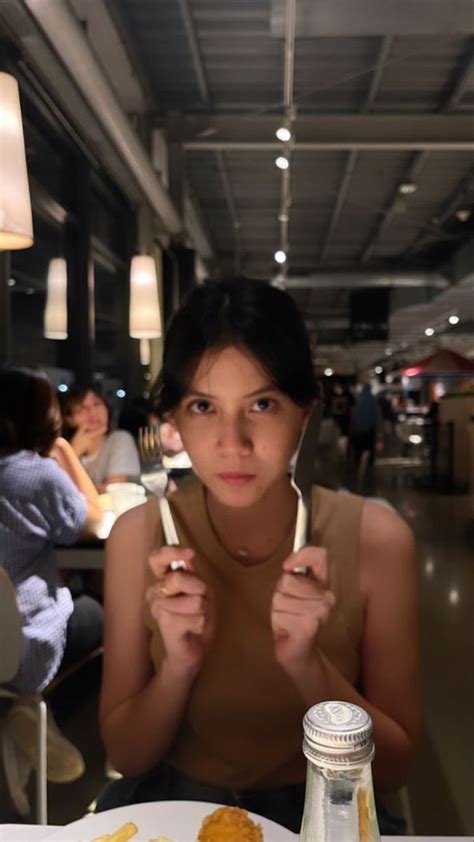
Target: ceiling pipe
point(65, 34)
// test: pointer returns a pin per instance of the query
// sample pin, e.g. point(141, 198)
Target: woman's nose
point(233, 435)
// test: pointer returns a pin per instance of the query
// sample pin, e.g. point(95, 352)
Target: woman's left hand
point(300, 605)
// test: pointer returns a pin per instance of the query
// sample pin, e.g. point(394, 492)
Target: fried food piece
point(123, 834)
point(229, 824)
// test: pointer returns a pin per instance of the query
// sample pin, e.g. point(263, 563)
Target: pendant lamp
point(55, 314)
point(145, 355)
point(145, 316)
point(16, 226)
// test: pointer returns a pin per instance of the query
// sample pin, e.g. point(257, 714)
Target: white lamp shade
point(145, 354)
point(16, 226)
point(145, 317)
point(55, 314)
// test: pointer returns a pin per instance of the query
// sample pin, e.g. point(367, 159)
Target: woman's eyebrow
point(194, 393)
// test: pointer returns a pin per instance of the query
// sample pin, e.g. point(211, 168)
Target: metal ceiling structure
point(381, 162)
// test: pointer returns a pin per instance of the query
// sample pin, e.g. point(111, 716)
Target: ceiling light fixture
point(145, 316)
point(55, 312)
point(407, 187)
point(463, 214)
point(283, 133)
point(16, 226)
point(282, 162)
point(388, 352)
point(328, 372)
point(378, 369)
point(280, 256)
point(453, 320)
point(429, 331)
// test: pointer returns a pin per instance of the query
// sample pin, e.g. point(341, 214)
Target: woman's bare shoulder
point(387, 542)
point(136, 527)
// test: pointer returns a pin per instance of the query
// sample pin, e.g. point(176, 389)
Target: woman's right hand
point(84, 440)
point(179, 602)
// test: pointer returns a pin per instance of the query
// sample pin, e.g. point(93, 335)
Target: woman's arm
point(390, 683)
point(64, 455)
point(140, 710)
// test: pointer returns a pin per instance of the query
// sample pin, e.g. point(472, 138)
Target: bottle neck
point(339, 805)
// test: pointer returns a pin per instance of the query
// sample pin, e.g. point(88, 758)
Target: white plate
point(179, 820)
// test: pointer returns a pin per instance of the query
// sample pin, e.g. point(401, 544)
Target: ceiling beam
point(462, 80)
point(342, 131)
point(360, 280)
point(463, 191)
point(355, 18)
point(383, 54)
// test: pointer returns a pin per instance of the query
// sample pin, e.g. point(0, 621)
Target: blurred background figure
point(329, 461)
point(108, 455)
point(364, 424)
point(340, 407)
point(388, 418)
point(46, 498)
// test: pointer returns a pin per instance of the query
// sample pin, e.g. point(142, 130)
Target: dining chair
point(11, 645)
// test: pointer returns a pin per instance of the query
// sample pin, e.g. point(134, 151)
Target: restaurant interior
point(325, 147)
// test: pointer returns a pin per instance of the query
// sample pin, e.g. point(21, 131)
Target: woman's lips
point(233, 478)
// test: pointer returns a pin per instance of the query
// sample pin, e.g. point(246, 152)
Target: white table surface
point(34, 832)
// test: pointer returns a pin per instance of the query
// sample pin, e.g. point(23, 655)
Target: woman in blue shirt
point(46, 498)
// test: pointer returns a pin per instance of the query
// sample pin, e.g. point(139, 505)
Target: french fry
point(123, 834)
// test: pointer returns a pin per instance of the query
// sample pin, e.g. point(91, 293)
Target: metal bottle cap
point(338, 735)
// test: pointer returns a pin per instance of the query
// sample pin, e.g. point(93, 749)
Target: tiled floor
point(441, 787)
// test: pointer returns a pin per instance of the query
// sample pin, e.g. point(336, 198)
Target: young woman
point(46, 498)
point(107, 455)
point(209, 670)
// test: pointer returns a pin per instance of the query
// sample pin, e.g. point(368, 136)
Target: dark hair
point(74, 396)
point(248, 314)
point(29, 411)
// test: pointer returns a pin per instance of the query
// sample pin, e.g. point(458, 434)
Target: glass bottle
point(339, 800)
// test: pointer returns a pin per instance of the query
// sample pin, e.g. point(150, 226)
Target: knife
point(301, 478)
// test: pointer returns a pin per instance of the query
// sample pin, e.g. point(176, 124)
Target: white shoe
point(17, 772)
point(64, 761)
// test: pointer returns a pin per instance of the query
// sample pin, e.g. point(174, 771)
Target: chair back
point(11, 634)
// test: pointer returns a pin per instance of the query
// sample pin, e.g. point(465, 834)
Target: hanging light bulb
point(145, 317)
point(16, 226)
point(55, 314)
point(145, 355)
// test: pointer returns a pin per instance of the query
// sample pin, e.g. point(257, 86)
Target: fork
point(154, 477)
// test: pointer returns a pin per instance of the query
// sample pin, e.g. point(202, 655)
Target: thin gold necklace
point(243, 552)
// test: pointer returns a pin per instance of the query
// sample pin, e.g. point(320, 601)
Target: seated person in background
point(46, 498)
point(108, 456)
point(208, 671)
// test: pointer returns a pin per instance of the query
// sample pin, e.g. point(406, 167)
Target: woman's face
point(91, 415)
point(239, 430)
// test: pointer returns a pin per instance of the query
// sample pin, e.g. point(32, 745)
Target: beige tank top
point(242, 727)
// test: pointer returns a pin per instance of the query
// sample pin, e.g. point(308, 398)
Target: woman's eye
point(263, 404)
point(200, 407)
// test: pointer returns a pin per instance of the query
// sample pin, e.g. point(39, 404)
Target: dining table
point(83, 555)
point(36, 833)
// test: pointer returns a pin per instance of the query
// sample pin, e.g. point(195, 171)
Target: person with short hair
point(208, 670)
point(107, 455)
point(46, 498)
